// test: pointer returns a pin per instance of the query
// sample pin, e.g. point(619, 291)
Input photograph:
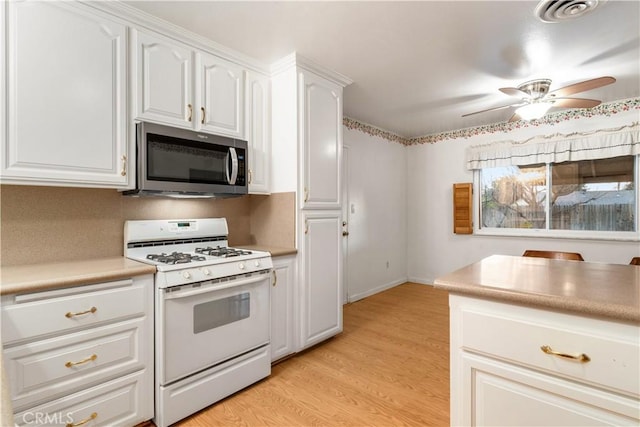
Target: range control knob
point(206, 271)
point(186, 275)
point(258, 263)
point(241, 266)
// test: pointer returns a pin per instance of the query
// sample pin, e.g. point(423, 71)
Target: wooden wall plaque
point(462, 208)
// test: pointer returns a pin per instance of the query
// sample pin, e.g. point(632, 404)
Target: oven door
point(201, 325)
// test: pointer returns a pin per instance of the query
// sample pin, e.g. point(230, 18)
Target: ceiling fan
point(536, 100)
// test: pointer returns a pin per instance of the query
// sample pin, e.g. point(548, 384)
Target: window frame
point(552, 233)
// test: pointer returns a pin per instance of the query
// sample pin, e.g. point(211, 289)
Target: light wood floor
point(389, 367)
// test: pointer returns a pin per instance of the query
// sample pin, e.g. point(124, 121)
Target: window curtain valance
point(557, 148)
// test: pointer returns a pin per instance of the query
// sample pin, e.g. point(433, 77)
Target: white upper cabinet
point(170, 89)
point(66, 121)
point(321, 142)
point(220, 85)
point(259, 132)
point(163, 76)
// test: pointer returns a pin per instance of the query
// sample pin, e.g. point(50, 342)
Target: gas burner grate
point(174, 258)
point(222, 251)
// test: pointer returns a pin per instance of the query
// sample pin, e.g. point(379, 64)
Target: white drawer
point(116, 403)
point(55, 312)
point(48, 369)
point(516, 334)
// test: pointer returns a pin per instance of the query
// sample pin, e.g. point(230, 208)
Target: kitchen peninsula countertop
point(38, 277)
point(588, 288)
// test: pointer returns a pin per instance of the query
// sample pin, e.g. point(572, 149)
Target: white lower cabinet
point(282, 314)
point(514, 366)
point(321, 278)
point(81, 353)
point(115, 403)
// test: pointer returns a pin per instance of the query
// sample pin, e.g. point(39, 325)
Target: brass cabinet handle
point(275, 277)
point(80, 362)
point(190, 108)
point(124, 166)
point(80, 313)
point(582, 358)
point(93, 416)
point(203, 115)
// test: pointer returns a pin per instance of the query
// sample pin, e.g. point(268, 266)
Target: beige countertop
point(275, 251)
point(593, 289)
point(37, 277)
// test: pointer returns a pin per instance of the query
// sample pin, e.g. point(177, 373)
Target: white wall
point(434, 250)
point(377, 182)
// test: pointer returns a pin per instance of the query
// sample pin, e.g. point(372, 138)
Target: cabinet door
point(259, 133)
point(321, 308)
point(322, 142)
point(163, 76)
point(220, 85)
point(505, 395)
point(66, 87)
point(282, 308)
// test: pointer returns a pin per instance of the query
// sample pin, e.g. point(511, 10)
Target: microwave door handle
point(232, 172)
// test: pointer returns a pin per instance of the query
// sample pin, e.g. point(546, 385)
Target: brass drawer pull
point(582, 358)
point(80, 313)
point(86, 420)
point(88, 359)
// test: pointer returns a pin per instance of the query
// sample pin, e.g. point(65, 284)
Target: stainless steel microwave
point(179, 162)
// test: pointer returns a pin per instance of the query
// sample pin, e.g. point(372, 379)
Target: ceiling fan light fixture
point(535, 110)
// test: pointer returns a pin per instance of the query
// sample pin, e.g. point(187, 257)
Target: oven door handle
point(208, 289)
point(231, 170)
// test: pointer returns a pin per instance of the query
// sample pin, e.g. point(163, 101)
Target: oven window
point(212, 314)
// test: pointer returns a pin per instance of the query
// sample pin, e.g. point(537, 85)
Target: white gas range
point(212, 310)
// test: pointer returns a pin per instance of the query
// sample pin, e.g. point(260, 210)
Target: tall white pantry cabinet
point(307, 159)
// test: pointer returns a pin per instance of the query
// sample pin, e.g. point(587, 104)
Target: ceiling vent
point(565, 10)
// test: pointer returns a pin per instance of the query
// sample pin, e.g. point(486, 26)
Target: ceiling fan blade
point(575, 103)
point(515, 118)
point(514, 91)
point(491, 109)
point(582, 86)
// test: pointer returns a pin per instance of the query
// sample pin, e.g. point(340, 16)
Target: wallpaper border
point(607, 109)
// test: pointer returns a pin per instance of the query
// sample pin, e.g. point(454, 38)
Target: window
point(590, 195)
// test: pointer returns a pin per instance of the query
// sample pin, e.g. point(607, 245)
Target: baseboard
point(369, 292)
point(421, 280)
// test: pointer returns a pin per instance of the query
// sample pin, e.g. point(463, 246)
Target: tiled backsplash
point(49, 224)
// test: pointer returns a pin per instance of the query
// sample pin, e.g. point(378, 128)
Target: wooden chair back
point(635, 261)
point(574, 256)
